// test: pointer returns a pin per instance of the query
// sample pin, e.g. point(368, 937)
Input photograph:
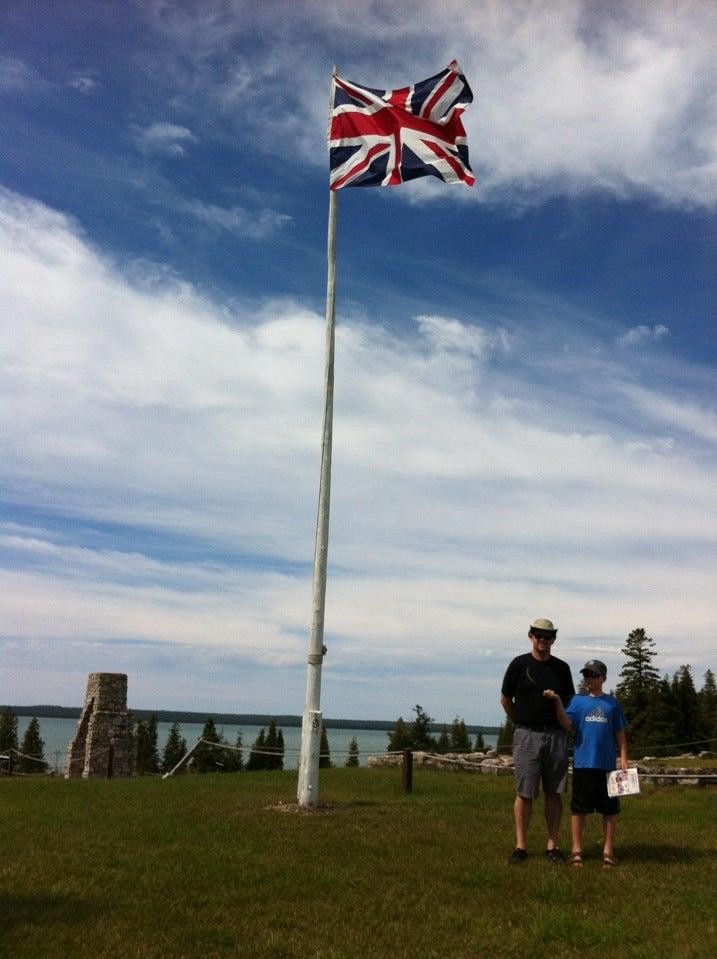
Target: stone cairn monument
point(104, 744)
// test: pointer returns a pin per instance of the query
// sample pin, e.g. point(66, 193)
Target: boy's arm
point(621, 740)
point(563, 718)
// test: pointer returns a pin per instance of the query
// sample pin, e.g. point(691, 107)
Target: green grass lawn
point(204, 866)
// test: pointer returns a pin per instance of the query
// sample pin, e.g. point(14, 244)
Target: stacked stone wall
point(491, 764)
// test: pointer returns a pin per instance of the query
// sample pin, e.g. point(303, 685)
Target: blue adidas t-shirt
point(596, 719)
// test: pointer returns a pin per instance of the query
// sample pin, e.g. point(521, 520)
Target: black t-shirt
point(525, 679)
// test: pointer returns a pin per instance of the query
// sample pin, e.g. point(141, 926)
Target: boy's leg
point(523, 809)
point(580, 805)
point(608, 825)
point(577, 825)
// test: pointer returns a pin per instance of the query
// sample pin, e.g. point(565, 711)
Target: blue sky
point(525, 416)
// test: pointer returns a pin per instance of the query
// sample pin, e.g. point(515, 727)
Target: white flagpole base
point(308, 792)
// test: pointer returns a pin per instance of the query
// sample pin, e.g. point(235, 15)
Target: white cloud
point(84, 83)
point(474, 487)
point(17, 75)
point(700, 421)
point(166, 138)
point(569, 96)
point(236, 219)
point(638, 335)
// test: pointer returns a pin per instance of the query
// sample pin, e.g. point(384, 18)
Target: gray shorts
point(540, 757)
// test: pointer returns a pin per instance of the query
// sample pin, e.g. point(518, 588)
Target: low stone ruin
point(104, 744)
point(489, 763)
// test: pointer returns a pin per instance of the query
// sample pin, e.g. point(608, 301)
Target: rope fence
point(459, 762)
point(12, 753)
point(507, 748)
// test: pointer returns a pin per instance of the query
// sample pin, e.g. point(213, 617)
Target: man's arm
point(621, 740)
point(507, 691)
point(568, 690)
point(563, 718)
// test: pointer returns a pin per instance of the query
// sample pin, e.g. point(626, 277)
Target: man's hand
point(551, 694)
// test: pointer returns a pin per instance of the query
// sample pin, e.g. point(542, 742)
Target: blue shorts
point(540, 756)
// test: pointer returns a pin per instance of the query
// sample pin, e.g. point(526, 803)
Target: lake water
point(57, 734)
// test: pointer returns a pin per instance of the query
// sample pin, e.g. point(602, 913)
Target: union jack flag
point(385, 137)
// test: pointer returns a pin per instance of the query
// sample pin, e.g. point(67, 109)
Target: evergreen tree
point(400, 738)
point(420, 736)
point(444, 742)
point(140, 734)
point(582, 689)
point(353, 759)
point(207, 759)
point(708, 707)
point(147, 754)
point(689, 729)
point(233, 758)
point(8, 730)
point(662, 731)
point(280, 749)
point(505, 737)
point(637, 690)
point(152, 749)
point(480, 743)
point(174, 749)
point(32, 745)
point(272, 744)
point(324, 751)
point(416, 736)
point(460, 743)
point(257, 759)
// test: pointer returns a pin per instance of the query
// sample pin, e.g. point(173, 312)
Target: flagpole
point(308, 789)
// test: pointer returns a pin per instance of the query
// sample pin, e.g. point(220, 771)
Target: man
point(540, 745)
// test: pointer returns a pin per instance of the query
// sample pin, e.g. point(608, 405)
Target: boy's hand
point(623, 765)
point(551, 694)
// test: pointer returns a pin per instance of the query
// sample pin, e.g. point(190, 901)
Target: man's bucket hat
point(546, 625)
point(595, 666)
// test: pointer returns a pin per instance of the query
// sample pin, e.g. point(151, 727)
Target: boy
point(599, 725)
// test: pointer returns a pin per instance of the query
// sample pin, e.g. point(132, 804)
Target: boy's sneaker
point(518, 856)
point(554, 855)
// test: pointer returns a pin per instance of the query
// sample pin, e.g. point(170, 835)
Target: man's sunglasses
point(548, 637)
point(591, 674)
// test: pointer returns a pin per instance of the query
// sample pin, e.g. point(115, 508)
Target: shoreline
point(45, 711)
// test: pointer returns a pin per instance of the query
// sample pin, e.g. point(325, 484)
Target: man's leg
point(526, 761)
point(554, 757)
point(553, 815)
point(523, 809)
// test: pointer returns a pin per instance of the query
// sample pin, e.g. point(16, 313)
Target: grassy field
point(208, 866)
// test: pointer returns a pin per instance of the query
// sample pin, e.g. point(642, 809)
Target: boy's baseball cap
point(546, 625)
point(594, 666)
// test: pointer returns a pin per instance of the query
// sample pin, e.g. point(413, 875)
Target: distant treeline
point(233, 719)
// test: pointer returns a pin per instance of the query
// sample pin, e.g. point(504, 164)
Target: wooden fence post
point(407, 771)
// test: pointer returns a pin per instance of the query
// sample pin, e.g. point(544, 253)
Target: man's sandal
point(608, 862)
point(576, 859)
